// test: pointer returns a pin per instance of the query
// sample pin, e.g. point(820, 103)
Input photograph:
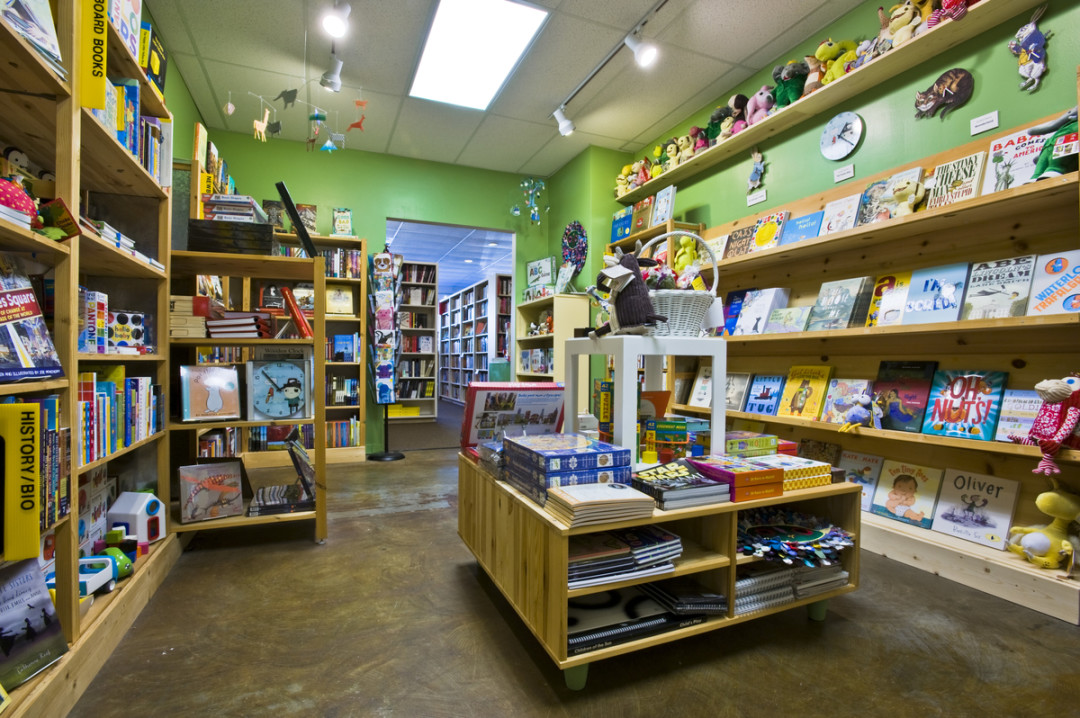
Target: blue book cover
point(965, 404)
point(343, 346)
point(935, 294)
point(800, 228)
point(732, 309)
point(764, 393)
point(563, 452)
point(549, 480)
point(621, 223)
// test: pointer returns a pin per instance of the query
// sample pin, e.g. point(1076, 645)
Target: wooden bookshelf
point(569, 312)
point(419, 302)
point(469, 336)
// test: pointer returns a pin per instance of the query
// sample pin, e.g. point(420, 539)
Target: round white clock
point(278, 389)
point(841, 135)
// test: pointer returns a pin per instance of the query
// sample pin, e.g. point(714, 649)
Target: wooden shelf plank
point(320, 239)
point(235, 342)
point(177, 425)
point(107, 166)
point(17, 239)
point(27, 387)
point(118, 453)
point(231, 522)
point(257, 266)
point(24, 69)
point(117, 358)
point(100, 257)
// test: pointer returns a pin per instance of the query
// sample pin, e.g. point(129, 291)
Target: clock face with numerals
point(841, 135)
point(278, 389)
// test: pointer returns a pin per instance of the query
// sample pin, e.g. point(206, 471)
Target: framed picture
point(211, 491)
point(209, 393)
point(279, 389)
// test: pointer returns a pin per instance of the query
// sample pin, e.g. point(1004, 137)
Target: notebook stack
point(607, 557)
point(810, 581)
point(234, 325)
point(677, 484)
point(763, 585)
point(686, 594)
point(536, 463)
point(20, 219)
point(587, 504)
point(747, 481)
point(609, 618)
point(799, 473)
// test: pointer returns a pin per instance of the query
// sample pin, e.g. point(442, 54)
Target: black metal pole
point(386, 454)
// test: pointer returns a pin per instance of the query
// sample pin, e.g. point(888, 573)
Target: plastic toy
point(1049, 545)
point(630, 308)
point(908, 195)
point(834, 57)
point(758, 106)
point(756, 172)
point(97, 574)
point(813, 76)
point(1047, 164)
point(951, 90)
point(1056, 424)
point(1030, 50)
point(139, 513)
point(124, 565)
point(686, 254)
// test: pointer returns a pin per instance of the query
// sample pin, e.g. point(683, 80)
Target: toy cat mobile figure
point(1030, 50)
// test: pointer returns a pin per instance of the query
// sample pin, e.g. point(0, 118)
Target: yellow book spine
point(20, 434)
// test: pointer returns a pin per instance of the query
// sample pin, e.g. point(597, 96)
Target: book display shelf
point(417, 349)
point(539, 356)
point(243, 270)
point(93, 170)
point(472, 327)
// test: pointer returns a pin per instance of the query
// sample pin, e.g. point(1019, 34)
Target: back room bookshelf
point(417, 355)
point(474, 328)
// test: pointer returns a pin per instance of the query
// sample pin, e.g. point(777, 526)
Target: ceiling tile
point(384, 44)
point(808, 27)
point(502, 142)
point(622, 14)
point(267, 38)
point(169, 20)
point(433, 130)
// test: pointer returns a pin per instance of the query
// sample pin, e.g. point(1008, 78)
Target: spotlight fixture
point(645, 53)
point(566, 125)
point(331, 79)
point(336, 20)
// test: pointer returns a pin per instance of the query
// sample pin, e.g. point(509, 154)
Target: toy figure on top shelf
point(758, 106)
point(835, 58)
point(790, 80)
point(1059, 154)
point(1057, 424)
point(630, 309)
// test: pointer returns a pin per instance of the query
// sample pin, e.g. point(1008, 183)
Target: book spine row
point(418, 273)
point(219, 443)
point(218, 355)
point(272, 438)
point(417, 344)
point(412, 320)
point(417, 368)
point(342, 391)
point(343, 348)
point(343, 433)
point(416, 389)
point(114, 416)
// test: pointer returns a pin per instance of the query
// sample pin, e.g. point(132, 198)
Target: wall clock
point(278, 390)
point(841, 135)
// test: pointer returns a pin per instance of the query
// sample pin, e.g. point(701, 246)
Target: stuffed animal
point(686, 148)
point(790, 80)
point(632, 310)
point(908, 194)
point(13, 196)
point(671, 149)
point(622, 185)
point(1056, 424)
point(633, 179)
point(883, 41)
point(644, 170)
point(864, 53)
point(1046, 165)
point(864, 411)
point(700, 140)
point(835, 56)
point(737, 103)
point(758, 106)
point(1048, 545)
point(1030, 50)
point(902, 22)
point(813, 77)
point(715, 129)
point(925, 9)
point(686, 254)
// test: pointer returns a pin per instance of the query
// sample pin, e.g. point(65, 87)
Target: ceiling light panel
point(472, 48)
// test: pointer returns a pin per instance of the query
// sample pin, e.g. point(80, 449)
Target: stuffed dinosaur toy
point(835, 57)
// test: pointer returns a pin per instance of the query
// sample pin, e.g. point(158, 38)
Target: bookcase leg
point(816, 611)
point(575, 677)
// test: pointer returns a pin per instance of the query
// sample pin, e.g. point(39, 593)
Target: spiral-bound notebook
point(762, 576)
point(612, 617)
point(766, 599)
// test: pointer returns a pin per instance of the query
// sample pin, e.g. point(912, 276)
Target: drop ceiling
point(240, 51)
point(465, 255)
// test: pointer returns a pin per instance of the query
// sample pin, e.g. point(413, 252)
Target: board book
point(735, 391)
point(888, 299)
point(211, 491)
point(804, 391)
point(935, 294)
point(757, 305)
point(663, 206)
point(209, 393)
point(864, 470)
point(999, 288)
point(621, 223)
point(953, 181)
point(841, 304)
point(1011, 161)
point(732, 309)
point(787, 319)
point(878, 203)
point(737, 472)
point(976, 507)
point(902, 389)
point(26, 348)
point(840, 215)
point(701, 393)
point(1055, 286)
point(838, 400)
point(768, 230)
point(797, 229)
point(494, 407)
point(907, 492)
point(740, 242)
point(763, 396)
point(964, 404)
point(563, 452)
point(1018, 410)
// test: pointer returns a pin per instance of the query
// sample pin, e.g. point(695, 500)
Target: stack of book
point(686, 594)
point(587, 504)
point(540, 462)
point(677, 484)
point(607, 619)
point(747, 481)
point(291, 497)
point(744, 444)
point(233, 208)
point(763, 585)
point(812, 580)
point(118, 239)
point(600, 558)
point(182, 319)
point(234, 325)
point(19, 219)
point(799, 473)
point(35, 24)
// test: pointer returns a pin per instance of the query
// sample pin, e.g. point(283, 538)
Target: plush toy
point(883, 41)
point(790, 80)
point(686, 148)
point(737, 103)
point(1056, 424)
point(758, 106)
point(1049, 545)
point(632, 310)
point(835, 56)
point(13, 196)
point(925, 8)
point(813, 76)
point(902, 22)
point(908, 194)
point(622, 185)
point(644, 171)
point(757, 171)
point(686, 254)
point(949, 10)
point(1046, 165)
point(1030, 50)
point(864, 53)
point(864, 411)
point(633, 178)
point(671, 149)
point(701, 141)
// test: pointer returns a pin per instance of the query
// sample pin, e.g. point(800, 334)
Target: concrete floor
point(392, 618)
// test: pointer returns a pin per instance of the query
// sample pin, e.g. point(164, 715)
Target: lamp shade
point(331, 79)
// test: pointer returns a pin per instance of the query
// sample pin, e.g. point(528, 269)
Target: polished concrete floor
point(391, 617)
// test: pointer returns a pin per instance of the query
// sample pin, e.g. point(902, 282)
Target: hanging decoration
point(359, 124)
point(288, 98)
point(260, 125)
point(1029, 47)
point(328, 146)
point(532, 189)
point(229, 107)
point(756, 172)
point(338, 140)
point(575, 246)
point(274, 128)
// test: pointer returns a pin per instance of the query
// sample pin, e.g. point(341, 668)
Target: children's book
point(840, 215)
point(878, 203)
point(701, 394)
point(757, 305)
point(733, 304)
point(621, 223)
point(735, 391)
point(34, 21)
point(864, 470)
point(339, 299)
point(953, 181)
point(804, 391)
point(907, 492)
point(965, 404)
point(663, 206)
point(342, 221)
point(787, 319)
point(901, 390)
point(30, 631)
point(768, 230)
point(1055, 287)
point(717, 245)
point(1018, 410)
point(799, 228)
point(841, 304)
point(1011, 161)
point(210, 491)
point(999, 288)
point(888, 299)
point(26, 348)
point(838, 399)
point(209, 393)
point(976, 507)
point(935, 294)
point(826, 451)
point(309, 215)
point(642, 216)
point(740, 242)
point(763, 396)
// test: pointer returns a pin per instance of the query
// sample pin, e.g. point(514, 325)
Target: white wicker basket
point(685, 309)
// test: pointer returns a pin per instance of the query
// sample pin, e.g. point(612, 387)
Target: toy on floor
point(631, 308)
point(1049, 545)
point(1057, 423)
point(1030, 50)
point(1051, 162)
point(952, 89)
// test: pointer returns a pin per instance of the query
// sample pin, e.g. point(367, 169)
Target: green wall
point(181, 105)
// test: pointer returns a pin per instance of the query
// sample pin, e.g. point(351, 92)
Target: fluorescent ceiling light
point(493, 244)
point(644, 53)
point(468, 261)
point(336, 21)
point(471, 49)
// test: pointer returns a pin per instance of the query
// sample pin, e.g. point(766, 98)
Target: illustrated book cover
point(519, 407)
point(804, 391)
point(902, 390)
point(663, 206)
point(740, 242)
point(1055, 287)
point(34, 21)
point(769, 229)
point(954, 181)
point(677, 477)
point(211, 491)
point(817, 450)
point(26, 347)
point(787, 319)
point(342, 221)
point(30, 632)
point(735, 391)
point(840, 215)
point(733, 303)
point(1011, 161)
point(797, 229)
point(965, 404)
point(642, 216)
point(888, 299)
point(763, 396)
point(839, 400)
point(339, 299)
point(275, 212)
point(878, 203)
point(841, 304)
point(209, 393)
point(907, 492)
point(621, 222)
point(999, 288)
point(864, 470)
point(935, 294)
point(1018, 410)
point(701, 393)
point(757, 305)
point(976, 507)
point(309, 215)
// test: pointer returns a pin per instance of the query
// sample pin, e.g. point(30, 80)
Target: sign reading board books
point(26, 349)
point(964, 404)
point(495, 408)
point(976, 507)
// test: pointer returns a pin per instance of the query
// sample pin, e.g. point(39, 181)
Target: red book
point(297, 316)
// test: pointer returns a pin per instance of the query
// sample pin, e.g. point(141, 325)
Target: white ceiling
point(707, 47)
point(465, 255)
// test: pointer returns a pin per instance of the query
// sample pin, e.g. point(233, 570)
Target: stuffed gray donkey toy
point(630, 309)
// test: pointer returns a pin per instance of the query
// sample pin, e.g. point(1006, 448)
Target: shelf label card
point(756, 198)
point(843, 173)
point(989, 121)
